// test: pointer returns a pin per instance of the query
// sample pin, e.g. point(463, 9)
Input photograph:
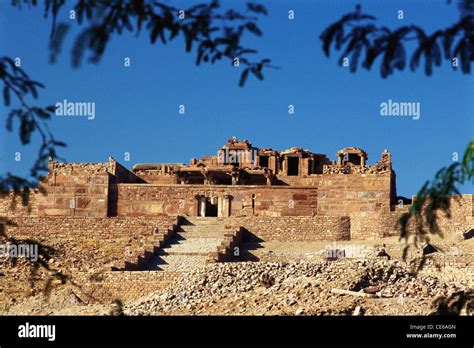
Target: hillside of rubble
point(291, 279)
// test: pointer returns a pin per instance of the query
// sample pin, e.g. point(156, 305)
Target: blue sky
point(137, 107)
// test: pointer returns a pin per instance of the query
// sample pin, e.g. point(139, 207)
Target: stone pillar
point(362, 161)
point(269, 176)
point(303, 167)
point(235, 174)
point(202, 206)
point(220, 207)
point(273, 164)
point(226, 205)
point(196, 205)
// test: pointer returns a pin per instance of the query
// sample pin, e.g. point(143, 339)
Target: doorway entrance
point(211, 209)
point(214, 206)
point(293, 166)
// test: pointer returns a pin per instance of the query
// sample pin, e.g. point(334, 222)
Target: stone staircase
point(196, 242)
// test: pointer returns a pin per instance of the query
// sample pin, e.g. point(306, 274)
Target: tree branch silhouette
point(17, 84)
point(216, 33)
point(357, 33)
point(434, 198)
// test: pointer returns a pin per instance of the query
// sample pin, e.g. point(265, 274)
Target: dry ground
point(291, 278)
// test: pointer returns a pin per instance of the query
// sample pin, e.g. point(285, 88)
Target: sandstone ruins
point(143, 228)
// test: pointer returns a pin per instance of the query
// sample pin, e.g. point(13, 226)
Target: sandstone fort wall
point(145, 200)
point(102, 191)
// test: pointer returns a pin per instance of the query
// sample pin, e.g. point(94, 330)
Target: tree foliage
point(356, 34)
point(215, 33)
point(18, 88)
point(434, 198)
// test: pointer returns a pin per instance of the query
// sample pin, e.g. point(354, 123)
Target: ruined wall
point(109, 189)
point(72, 189)
point(136, 200)
point(94, 243)
point(346, 194)
point(378, 224)
point(338, 194)
point(12, 204)
point(373, 225)
point(294, 228)
point(126, 286)
point(311, 180)
point(342, 194)
point(156, 177)
point(122, 174)
point(68, 190)
point(75, 189)
point(97, 190)
point(84, 227)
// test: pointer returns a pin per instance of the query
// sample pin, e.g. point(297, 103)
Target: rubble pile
point(312, 288)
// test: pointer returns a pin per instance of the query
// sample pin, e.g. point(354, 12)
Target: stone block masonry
point(104, 220)
point(379, 224)
point(125, 286)
point(345, 194)
point(97, 228)
point(295, 228)
point(94, 243)
point(148, 200)
point(281, 195)
point(75, 190)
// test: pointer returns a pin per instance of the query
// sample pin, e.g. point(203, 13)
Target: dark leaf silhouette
point(356, 30)
point(434, 198)
point(216, 33)
point(6, 95)
point(243, 77)
point(56, 40)
point(17, 84)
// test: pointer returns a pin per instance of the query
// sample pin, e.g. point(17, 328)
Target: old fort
point(145, 226)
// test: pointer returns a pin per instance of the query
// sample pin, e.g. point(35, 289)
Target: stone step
point(196, 240)
point(200, 234)
point(181, 235)
point(194, 227)
point(217, 231)
point(194, 245)
point(176, 262)
point(185, 253)
point(202, 222)
point(202, 225)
